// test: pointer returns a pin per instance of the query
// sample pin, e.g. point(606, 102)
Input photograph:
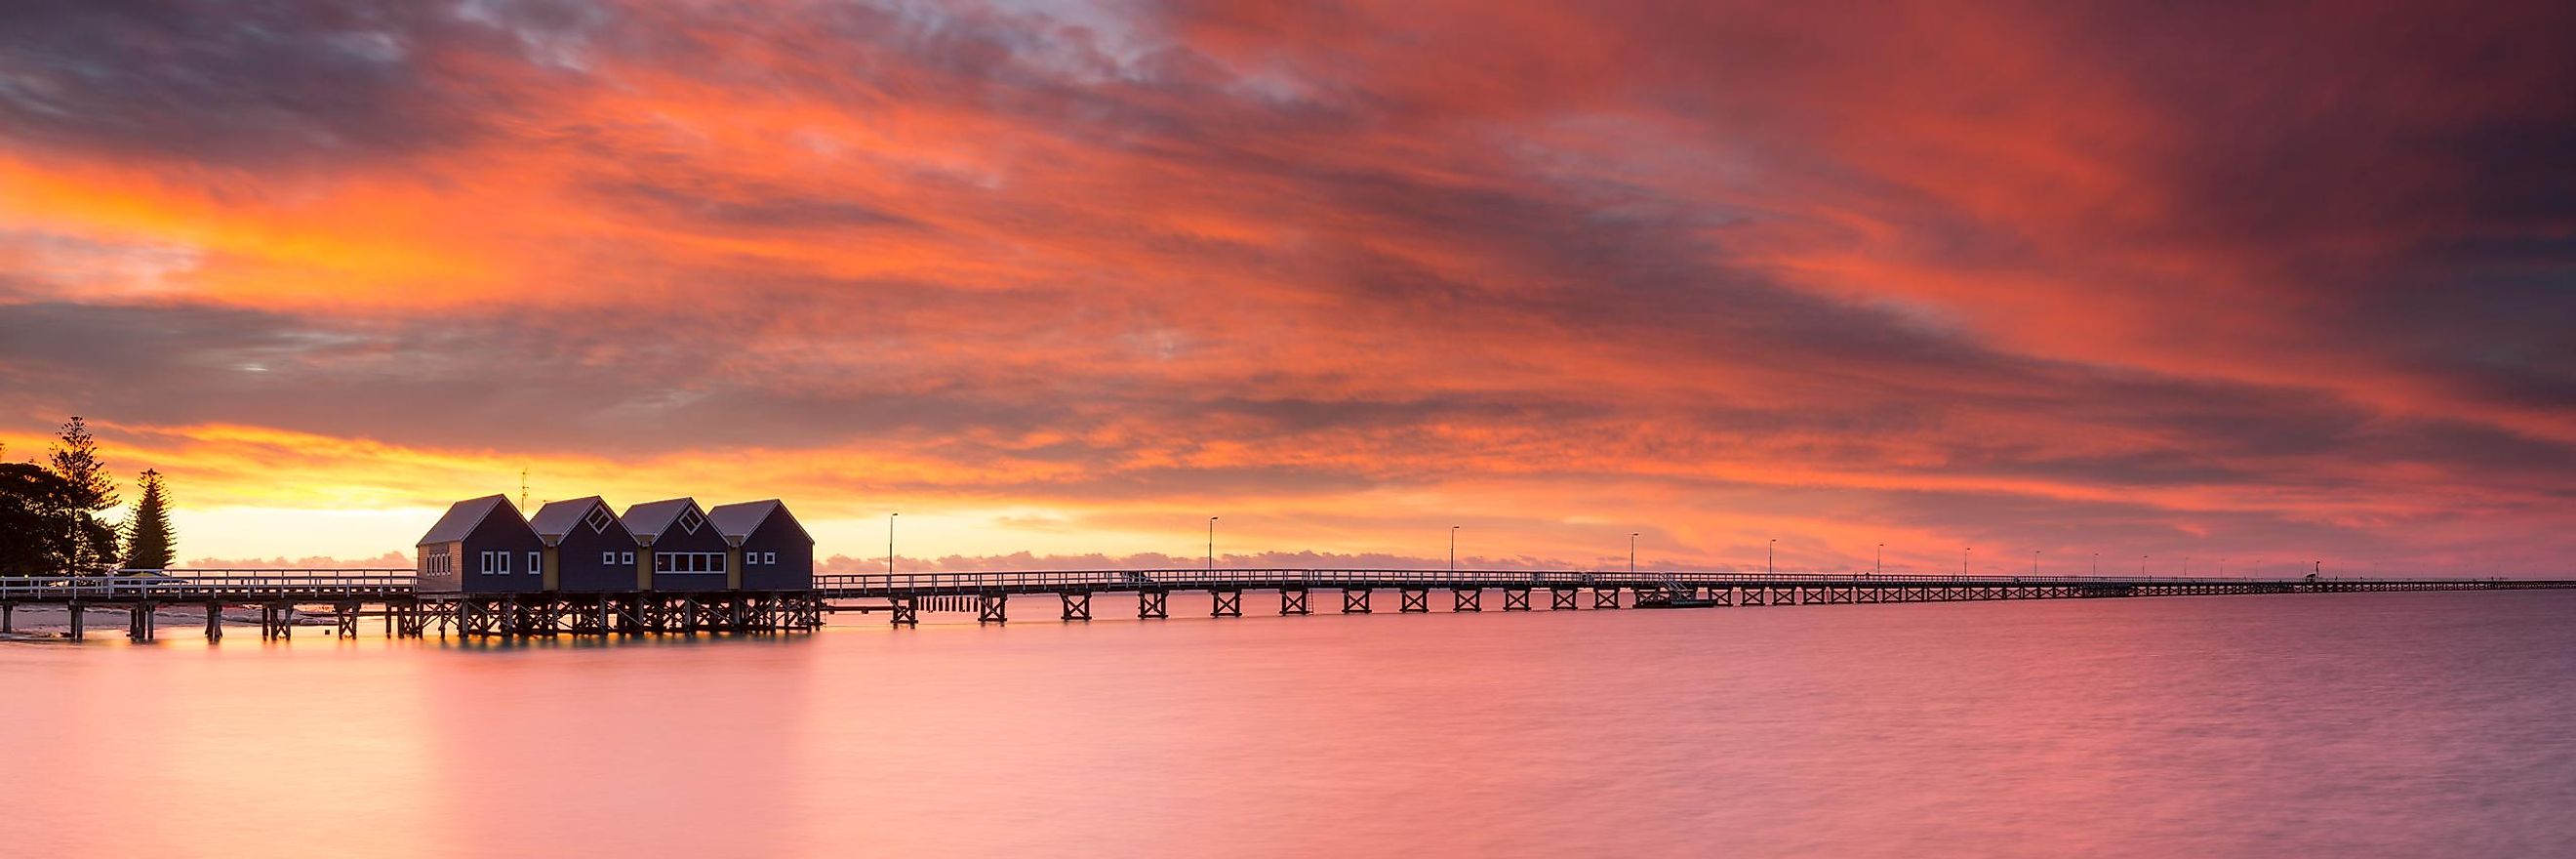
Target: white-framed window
point(688, 562)
point(496, 563)
point(599, 520)
point(689, 521)
point(536, 563)
point(768, 558)
point(626, 558)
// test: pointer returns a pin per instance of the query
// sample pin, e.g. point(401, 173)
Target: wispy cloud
point(2050, 276)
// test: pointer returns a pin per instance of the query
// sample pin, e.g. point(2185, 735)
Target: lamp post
point(1963, 559)
point(1453, 548)
point(1632, 553)
point(1767, 550)
point(1878, 568)
point(890, 544)
point(2142, 565)
point(2034, 563)
point(1211, 560)
point(2097, 563)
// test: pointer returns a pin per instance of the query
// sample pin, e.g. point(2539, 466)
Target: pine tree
point(76, 462)
point(148, 541)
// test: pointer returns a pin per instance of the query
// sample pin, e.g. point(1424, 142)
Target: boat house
point(481, 546)
point(676, 548)
point(770, 550)
point(587, 549)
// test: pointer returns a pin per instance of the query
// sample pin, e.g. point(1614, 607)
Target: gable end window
point(599, 520)
point(689, 521)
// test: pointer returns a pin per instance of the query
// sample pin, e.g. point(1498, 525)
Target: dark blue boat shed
point(481, 546)
point(771, 551)
point(677, 549)
point(587, 549)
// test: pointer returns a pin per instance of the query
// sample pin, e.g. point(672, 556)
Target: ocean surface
point(2402, 725)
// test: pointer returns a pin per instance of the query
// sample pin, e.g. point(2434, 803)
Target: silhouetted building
point(676, 548)
point(587, 549)
point(770, 549)
point(482, 545)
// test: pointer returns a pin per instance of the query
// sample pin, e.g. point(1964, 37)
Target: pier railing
point(174, 585)
point(1194, 578)
point(376, 583)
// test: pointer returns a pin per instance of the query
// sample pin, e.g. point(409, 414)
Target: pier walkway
point(286, 597)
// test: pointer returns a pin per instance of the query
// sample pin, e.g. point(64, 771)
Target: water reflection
point(2394, 724)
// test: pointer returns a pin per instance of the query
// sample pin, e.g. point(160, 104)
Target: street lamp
point(1767, 550)
point(2097, 563)
point(1632, 553)
point(1453, 548)
point(2034, 563)
point(890, 543)
point(1211, 563)
point(1879, 567)
point(1963, 560)
point(2142, 565)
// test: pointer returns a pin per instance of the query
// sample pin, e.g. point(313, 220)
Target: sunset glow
point(1065, 280)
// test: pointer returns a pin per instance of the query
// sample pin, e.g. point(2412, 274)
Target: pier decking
point(346, 596)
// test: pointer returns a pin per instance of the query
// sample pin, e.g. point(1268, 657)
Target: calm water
point(2365, 724)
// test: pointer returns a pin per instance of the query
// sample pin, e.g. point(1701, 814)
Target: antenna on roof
point(523, 489)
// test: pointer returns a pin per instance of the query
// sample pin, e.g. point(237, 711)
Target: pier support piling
point(1605, 597)
point(1228, 604)
point(1152, 605)
point(1355, 601)
point(1516, 599)
point(1414, 601)
point(1292, 601)
point(1467, 599)
point(992, 608)
point(1077, 605)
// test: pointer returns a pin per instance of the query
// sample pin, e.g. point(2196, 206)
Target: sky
point(2254, 284)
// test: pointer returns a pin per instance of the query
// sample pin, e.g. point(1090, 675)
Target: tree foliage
point(76, 461)
point(148, 541)
point(43, 525)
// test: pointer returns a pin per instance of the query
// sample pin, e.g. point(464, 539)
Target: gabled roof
point(737, 521)
point(648, 520)
point(557, 519)
point(463, 517)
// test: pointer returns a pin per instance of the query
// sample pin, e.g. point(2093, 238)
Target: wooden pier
point(285, 598)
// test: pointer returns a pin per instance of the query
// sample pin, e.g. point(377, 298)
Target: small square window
point(608, 559)
point(627, 558)
point(767, 558)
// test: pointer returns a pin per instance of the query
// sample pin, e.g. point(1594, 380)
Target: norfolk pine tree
point(148, 541)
